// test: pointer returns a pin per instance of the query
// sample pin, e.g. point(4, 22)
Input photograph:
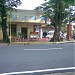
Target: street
point(17, 58)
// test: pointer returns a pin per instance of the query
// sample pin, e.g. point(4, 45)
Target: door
point(24, 32)
point(13, 29)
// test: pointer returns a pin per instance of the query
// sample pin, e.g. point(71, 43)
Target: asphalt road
point(17, 58)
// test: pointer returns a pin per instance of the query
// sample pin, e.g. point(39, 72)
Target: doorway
point(24, 32)
point(13, 29)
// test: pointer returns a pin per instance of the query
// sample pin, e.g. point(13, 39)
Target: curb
point(43, 42)
point(28, 43)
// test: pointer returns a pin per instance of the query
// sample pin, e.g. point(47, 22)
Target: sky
point(30, 4)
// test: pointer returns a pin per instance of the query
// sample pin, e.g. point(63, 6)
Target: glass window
point(23, 17)
point(33, 17)
point(14, 17)
point(42, 18)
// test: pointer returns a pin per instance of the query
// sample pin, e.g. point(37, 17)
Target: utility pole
point(10, 26)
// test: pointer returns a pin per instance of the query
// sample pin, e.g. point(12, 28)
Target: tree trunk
point(58, 21)
point(4, 31)
point(4, 24)
point(56, 36)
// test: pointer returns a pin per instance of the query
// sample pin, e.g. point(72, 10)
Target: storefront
point(23, 31)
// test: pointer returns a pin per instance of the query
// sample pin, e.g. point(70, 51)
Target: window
point(33, 17)
point(14, 17)
point(23, 17)
point(42, 18)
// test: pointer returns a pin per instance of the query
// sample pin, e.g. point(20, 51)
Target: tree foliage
point(59, 11)
point(6, 5)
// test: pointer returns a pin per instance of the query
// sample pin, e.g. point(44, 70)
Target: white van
point(50, 34)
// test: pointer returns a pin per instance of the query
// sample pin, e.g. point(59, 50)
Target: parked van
point(50, 34)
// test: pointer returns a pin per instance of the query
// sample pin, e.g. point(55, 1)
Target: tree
point(6, 5)
point(58, 11)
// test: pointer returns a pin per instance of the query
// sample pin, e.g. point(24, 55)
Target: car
point(50, 34)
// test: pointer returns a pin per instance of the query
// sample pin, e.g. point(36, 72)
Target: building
point(25, 24)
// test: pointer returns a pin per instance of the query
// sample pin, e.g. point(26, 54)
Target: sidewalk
point(39, 41)
point(43, 41)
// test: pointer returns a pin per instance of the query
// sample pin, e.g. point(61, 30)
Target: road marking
point(44, 49)
point(39, 71)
